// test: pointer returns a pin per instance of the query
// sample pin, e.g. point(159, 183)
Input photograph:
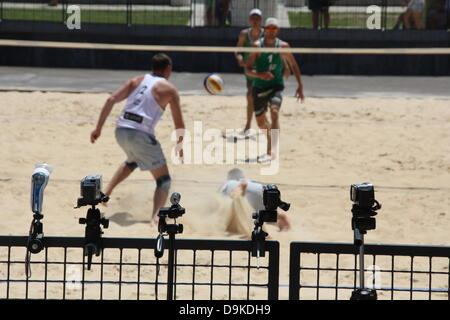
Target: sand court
point(402, 146)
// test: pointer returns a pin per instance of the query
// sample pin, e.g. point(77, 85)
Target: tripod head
point(93, 233)
point(173, 212)
point(92, 195)
point(364, 209)
point(272, 201)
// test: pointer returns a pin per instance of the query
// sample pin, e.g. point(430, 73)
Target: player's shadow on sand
point(125, 219)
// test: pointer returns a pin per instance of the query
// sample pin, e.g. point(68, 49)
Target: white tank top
point(142, 104)
point(253, 194)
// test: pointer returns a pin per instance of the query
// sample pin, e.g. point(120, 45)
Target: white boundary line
point(111, 46)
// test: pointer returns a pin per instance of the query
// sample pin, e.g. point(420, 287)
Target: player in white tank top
point(142, 103)
point(147, 97)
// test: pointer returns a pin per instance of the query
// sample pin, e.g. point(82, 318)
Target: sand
point(402, 146)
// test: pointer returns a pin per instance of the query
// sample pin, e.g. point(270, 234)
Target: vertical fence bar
point(64, 273)
point(120, 273)
point(139, 274)
point(26, 282)
point(384, 15)
point(212, 275)
point(337, 276)
point(157, 267)
point(248, 275)
point(274, 272)
point(45, 273)
point(430, 278)
point(392, 277)
point(129, 12)
point(175, 275)
point(294, 272)
point(229, 274)
point(194, 256)
point(355, 272)
point(82, 277)
point(8, 272)
point(374, 271)
point(318, 277)
point(101, 274)
point(411, 280)
point(193, 14)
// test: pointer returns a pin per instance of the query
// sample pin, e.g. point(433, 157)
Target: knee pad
point(131, 165)
point(163, 183)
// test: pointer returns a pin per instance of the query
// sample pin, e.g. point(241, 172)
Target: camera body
point(91, 191)
point(39, 181)
point(272, 201)
point(272, 198)
point(363, 194)
point(364, 207)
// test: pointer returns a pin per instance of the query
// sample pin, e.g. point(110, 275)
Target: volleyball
point(213, 83)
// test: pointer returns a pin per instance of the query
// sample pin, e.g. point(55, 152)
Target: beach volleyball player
point(267, 69)
point(147, 98)
point(246, 39)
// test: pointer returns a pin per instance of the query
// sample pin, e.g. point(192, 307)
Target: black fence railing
point(218, 270)
point(330, 271)
point(127, 269)
point(318, 14)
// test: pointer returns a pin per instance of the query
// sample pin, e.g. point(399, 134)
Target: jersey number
point(137, 99)
point(271, 66)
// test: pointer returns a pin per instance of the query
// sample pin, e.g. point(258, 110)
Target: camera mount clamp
point(258, 234)
point(93, 231)
point(36, 235)
point(271, 201)
point(164, 228)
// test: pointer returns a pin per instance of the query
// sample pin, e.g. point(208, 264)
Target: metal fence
point(348, 14)
point(218, 270)
point(329, 271)
point(127, 269)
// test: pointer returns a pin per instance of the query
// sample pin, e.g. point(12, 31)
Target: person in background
point(218, 12)
point(412, 18)
point(320, 9)
point(246, 38)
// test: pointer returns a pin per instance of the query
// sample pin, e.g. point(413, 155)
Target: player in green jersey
point(246, 39)
point(267, 70)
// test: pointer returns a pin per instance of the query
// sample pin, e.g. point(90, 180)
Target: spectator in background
point(439, 15)
point(218, 12)
point(412, 18)
point(319, 9)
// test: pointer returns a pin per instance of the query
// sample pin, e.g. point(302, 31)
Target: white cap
point(272, 22)
point(255, 11)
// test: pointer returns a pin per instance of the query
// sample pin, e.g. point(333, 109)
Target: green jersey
point(249, 43)
point(269, 61)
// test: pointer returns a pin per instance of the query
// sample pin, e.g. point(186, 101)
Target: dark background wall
point(430, 65)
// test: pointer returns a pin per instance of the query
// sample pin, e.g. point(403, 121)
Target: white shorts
point(141, 148)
